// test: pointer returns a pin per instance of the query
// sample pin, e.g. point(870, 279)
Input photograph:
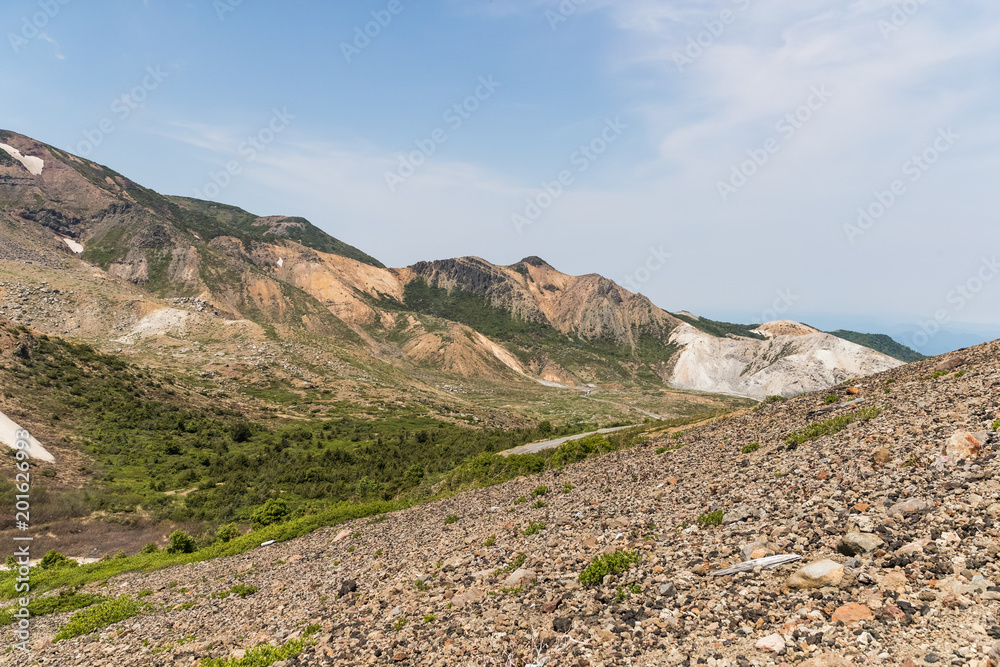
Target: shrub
point(239, 589)
point(831, 399)
point(567, 487)
point(996, 425)
point(752, 447)
point(150, 548)
point(261, 655)
point(540, 491)
point(711, 519)
point(539, 504)
point(773, 399)
point(452, 518)
point(606, 564)
point(181, 543)
point(533, 528)
point(429, 618)
point(53, 560)
point(227, 532)
point(275, 510)
point(99, 616)
point(490, 541)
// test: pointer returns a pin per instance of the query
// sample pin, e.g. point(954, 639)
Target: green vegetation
point(880, 343)
point(53, 560)
point(429, 618)
point(606, 564)
point(721, 329)
point(99, 616)
point(538, 504)
point(514, 564)
point(567, 487)
point(531, 340)
point(180, 543)
point(540, 491)
point(752, 447)
point(833, 425)
point(67, 600)
point(534, 528)
point(451, 518)
point(241, 590)
point(831, 399)
point(149, 434)
point(996, 425)
point(711, 519)
point(774, 399)
point(210, 219)
point(262, 655)
point(490, 541)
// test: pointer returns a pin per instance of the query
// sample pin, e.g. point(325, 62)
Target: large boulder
point(818, 574)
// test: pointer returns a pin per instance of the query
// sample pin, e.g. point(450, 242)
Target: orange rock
point(961, 446)
point(852, 613)
point(861, 507)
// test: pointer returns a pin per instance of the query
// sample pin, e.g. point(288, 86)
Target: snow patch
point(74, 246)
point(34, 165)
point(8, 435)
point(281, 262)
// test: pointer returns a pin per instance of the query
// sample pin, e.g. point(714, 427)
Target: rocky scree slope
point(898, 555)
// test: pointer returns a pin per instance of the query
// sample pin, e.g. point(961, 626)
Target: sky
point(747, 160)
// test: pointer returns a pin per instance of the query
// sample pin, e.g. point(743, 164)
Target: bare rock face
point(961, 446)
point(782, 365)
point(819, 574)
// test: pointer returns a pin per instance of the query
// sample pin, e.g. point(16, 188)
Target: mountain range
point(153, 274)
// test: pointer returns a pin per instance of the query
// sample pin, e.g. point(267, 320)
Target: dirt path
point(536, 447)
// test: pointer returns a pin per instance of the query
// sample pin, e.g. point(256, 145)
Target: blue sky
point(715, 155)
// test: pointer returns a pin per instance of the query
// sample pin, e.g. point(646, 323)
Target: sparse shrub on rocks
point(452, 518)
point(832, 426)
point(150, 548)
point(533, 528)
point(400, 623)
point(773, 399)
point(996, 425)
point(606, 564)
point(99, 616)
point(261, 655)
point(831, 399)
point(567, 487)
point(752, 447)
point(490, 541)
point(540, 491)
point(241, 590)
point(710, 519)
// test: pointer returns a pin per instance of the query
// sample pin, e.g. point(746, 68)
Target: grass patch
point(100, 616)
point(67, 600)
point(514, 564)
point(711, 519)
point(832, 426)
point(453, 518)
point(751, 448)
point(540, 491)
point(262, 655)
point(606, 564)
